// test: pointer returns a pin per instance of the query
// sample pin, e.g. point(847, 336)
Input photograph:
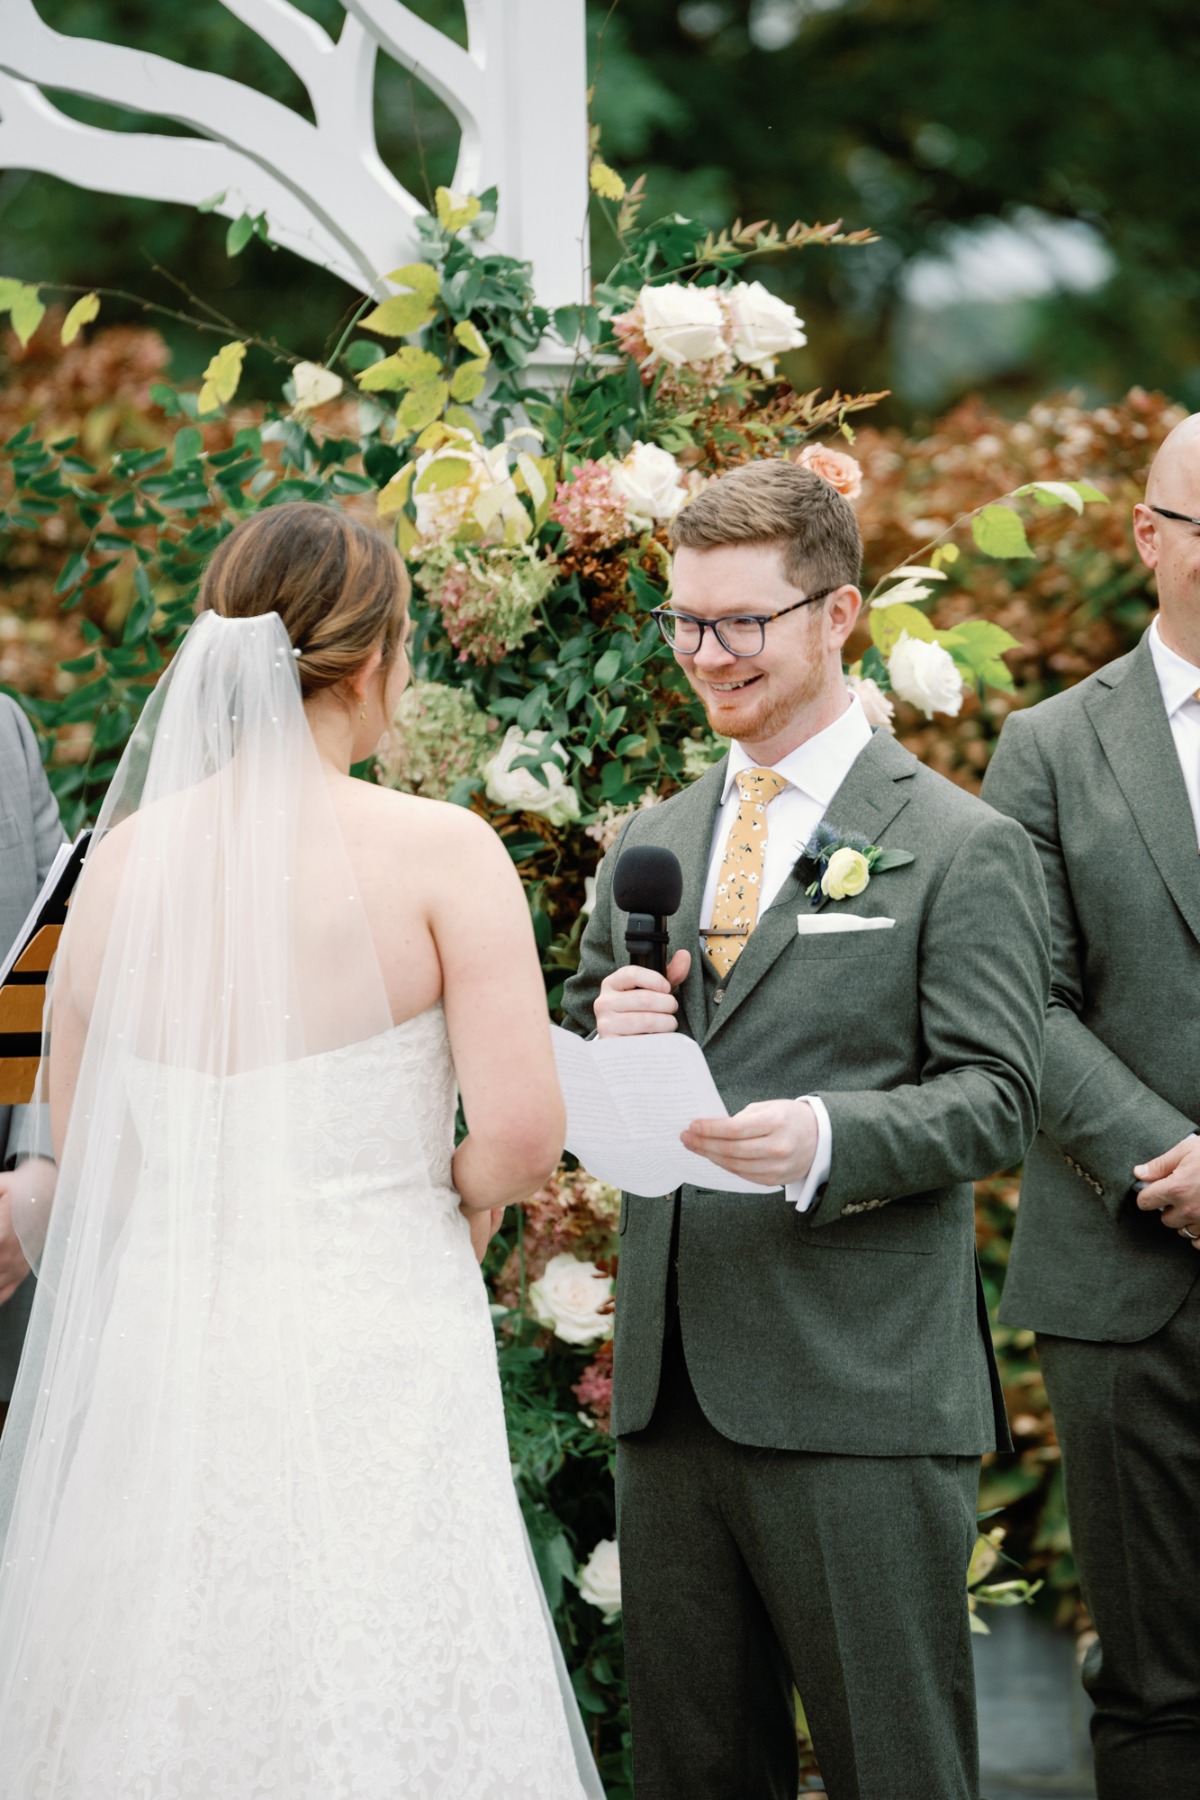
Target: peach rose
point(834, 466)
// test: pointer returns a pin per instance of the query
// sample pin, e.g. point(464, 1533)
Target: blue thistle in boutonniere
point(837, 865)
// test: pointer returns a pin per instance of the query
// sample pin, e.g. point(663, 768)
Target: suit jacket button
point(718, 996)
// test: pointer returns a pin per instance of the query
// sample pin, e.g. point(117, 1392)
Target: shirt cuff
point(801, 1194)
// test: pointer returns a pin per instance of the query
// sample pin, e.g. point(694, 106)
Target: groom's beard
point(761, 712)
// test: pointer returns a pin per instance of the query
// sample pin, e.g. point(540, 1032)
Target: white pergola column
point(519, 92)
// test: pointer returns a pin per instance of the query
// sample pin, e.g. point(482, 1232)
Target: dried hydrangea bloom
point(488, 600)
point(590, 508)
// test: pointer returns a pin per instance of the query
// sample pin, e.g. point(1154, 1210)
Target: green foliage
point(976, 646)
point(242, 229)
point(164, 516)
point(23, 304)
point(999, 532)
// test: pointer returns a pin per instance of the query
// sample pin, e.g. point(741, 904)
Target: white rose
point(650, 482)
point(519, 790)
point(600, 1579)
point(875, 703)
point(846, 873)
point(926, 676)
point(568, 1298)
point(484, 497)
point(764, 326)
point(682, 324)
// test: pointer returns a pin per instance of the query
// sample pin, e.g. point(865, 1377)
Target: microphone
point(648, 885)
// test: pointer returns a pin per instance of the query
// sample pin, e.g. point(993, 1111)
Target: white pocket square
point(808, 923)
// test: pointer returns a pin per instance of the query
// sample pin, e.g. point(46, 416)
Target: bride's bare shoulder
point(411, 822)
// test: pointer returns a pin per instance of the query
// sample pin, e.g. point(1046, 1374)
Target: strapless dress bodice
point(375, 1113)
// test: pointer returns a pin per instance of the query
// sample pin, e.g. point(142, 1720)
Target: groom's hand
point(634, 1001)
point(773, 1141)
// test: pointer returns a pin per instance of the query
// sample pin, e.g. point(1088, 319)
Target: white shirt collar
point(821, 764)
point(1178, 679)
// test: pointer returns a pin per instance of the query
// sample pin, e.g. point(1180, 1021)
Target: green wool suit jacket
point(1094, 777)
point(857, 1327)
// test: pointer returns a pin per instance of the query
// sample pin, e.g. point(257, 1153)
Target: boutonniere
point(836, 865)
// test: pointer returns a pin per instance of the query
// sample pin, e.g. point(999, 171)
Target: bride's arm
point(27, 1191)
point(495, 1003)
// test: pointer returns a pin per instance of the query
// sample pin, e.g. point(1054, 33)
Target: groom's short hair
point(777, 503)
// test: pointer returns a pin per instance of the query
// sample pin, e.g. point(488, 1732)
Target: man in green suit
point(803, 1380)
point(1106, 779)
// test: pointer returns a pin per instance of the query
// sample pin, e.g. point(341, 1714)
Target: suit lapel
point(1127, 713)
point(867, 801)
point(688, 830)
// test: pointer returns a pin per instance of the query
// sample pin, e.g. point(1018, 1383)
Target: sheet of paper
point(628, 1099)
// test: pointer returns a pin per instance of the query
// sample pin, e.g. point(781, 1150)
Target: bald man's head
point(1168, 536)
point(1176, 467)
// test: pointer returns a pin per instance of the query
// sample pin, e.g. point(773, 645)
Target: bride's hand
point(484, 1226)
point(13, 1266)
point(26, 1195)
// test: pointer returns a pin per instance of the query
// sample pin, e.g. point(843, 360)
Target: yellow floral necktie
point(739, 881)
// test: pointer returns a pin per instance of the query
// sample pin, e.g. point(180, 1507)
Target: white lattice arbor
point(518, 92)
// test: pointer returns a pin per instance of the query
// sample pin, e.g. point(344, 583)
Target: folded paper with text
point(628, 1099)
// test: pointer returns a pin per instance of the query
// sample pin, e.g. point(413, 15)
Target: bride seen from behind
point(260, 1530)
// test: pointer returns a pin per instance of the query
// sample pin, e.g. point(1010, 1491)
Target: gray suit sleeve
point(595, 952)
point(1094, 1108)
point(24, 1130)
point(48, 833)
point(982, 985)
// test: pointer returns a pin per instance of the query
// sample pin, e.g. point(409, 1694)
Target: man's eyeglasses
point(1164, 512)
point(741, 634)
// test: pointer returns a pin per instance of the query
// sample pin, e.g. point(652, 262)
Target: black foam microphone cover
point(648, 879)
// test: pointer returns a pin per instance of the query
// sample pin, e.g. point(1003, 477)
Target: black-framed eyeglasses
point(741, 634)
point(1164, 512)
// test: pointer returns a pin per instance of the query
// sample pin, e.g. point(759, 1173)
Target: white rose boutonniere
point(569, 1297)
point(600, 1579)
point(846, 873)
point(837, 865)
point(518, 789)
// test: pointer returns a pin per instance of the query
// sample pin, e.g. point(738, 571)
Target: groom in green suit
point(1106, 779)
point(804, 1380)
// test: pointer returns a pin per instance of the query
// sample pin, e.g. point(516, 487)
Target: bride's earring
point(362, 713)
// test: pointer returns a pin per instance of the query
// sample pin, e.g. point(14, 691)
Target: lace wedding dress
point(265, 1543)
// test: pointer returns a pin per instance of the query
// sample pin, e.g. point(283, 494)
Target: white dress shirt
point(814, 774)
point(1178, 681)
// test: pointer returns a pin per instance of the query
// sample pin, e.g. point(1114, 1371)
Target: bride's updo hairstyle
point(339, 587)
